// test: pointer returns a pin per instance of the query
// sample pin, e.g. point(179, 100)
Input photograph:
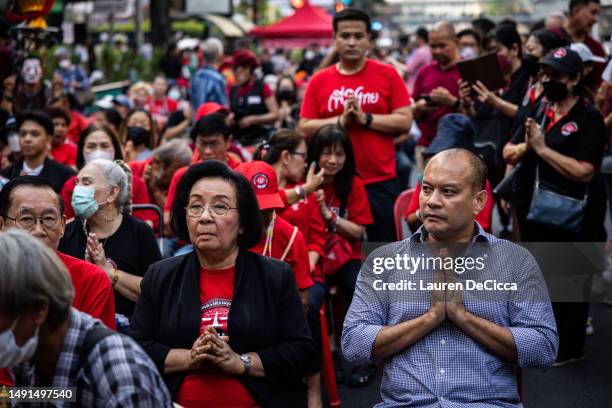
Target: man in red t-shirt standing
point(371, 100)
point(436, 87)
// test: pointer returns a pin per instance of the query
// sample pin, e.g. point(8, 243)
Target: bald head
point(444, 27)
point(477, 174)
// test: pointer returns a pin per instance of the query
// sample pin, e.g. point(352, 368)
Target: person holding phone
point(437, 86)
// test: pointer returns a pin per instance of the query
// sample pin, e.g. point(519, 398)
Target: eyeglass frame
point(204, 207)
point(37, 220)
point(303, 155)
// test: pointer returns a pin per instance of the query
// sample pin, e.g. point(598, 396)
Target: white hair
point(117, 174)
point(212, 49)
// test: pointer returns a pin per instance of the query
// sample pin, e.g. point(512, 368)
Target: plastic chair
point(401, 203)
point(329, 374)
point(160, 215)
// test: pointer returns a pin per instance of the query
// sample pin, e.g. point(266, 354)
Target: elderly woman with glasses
point(224, 325)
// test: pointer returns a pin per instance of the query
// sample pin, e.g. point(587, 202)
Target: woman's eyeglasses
point(196, 210)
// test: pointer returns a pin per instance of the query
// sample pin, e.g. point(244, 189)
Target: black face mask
point(555, 91)
point(138, 135)
point(286, 95)
point(531, 64)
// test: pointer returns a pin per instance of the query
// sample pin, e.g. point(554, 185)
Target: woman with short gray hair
point(98, 367)
point(105, 234)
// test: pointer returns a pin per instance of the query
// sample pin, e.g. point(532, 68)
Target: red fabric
point(65, 153)
point(161, 106)
point(428, 79)
point(6, 378)
point(140, 195)
point(380, 90)
point(138, 167)
point(306, 215)
point(358, 208)
point(484, 218)
point(78, 123)
point(307, 21)
point(210, 387)
point(246, 88)
point(297, 257)
point(176, 179)
point(550, 118)
point(93, 292)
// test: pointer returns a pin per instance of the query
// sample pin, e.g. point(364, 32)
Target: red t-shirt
point(65, 153)
point(357, 209)
point(138, 167)
point(178, 176)
point(93, 292)
point(210, 387)
point(428, 79)
point(297, 257)
point(140, 195)
point(379, 90)
point(78, 123)
point(160, 110)
point(484, 218)
point(306, 215)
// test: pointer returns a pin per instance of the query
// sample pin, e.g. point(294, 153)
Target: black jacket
point(266, 316)
point(55, 173)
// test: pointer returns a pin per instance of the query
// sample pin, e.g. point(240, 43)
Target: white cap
point(585, 53)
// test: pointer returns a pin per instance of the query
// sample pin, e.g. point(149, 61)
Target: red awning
point(307, 22)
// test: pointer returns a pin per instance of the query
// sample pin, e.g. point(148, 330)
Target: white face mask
point(31, 71)
point(98, 154)
point(468, 53)
point(13, 141)
point(65, 64)
point(174, 94)
point(10, 353)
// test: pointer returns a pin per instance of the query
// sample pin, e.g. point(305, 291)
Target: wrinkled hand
point(534, 136)
point(442, 96)
point(95, 251)
point(215, 349)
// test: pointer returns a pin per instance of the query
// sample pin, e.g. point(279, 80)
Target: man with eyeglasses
point(31, 204)
point(211, 137)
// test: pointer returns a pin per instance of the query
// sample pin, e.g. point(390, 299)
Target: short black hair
point(507, 35)
point(483, 24)
point(473, 33)
point(39, 117)
point(249, 215)
point(478, 174)
point(58, 113)
point(113, 116)
point(211, 125)
point(422, 33)
point(577, 3)
point(352, 14)
point(28, 181)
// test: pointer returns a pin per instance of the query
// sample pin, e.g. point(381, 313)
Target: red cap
point(264, 182)
point(207, 108)
point(245, 58)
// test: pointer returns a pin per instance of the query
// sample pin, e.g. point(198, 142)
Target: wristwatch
point(369, 119)
point(246, 361)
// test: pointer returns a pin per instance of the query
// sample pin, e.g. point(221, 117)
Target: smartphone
point(427, 99)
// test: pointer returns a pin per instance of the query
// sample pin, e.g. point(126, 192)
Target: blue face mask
point(84, 203)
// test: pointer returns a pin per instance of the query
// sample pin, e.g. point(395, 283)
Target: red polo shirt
point(428, 79)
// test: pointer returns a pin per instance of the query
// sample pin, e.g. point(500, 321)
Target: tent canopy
point(307, 22)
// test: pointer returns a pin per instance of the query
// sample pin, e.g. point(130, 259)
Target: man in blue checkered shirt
point(445, 341)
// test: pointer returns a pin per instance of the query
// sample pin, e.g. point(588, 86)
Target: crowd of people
point(268, 176)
